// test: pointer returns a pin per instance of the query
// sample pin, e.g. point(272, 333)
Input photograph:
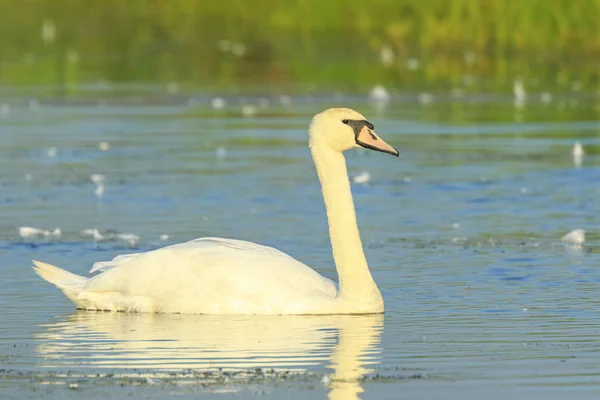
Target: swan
point(228, 277)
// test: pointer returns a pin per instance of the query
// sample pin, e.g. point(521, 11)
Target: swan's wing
point(102, 266)
point(121, 259)
point(211, 275)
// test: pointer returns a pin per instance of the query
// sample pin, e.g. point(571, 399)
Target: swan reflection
point(348, 345)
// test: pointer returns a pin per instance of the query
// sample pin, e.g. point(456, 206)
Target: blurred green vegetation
point(304, 44)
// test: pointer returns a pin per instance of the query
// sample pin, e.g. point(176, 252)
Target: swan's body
point(223, 276)
point(203, 276)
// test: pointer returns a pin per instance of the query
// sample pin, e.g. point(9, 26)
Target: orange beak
point(368, 139)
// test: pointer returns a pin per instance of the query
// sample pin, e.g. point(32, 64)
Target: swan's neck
point(355, 279)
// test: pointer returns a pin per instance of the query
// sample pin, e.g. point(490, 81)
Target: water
point(462, 233)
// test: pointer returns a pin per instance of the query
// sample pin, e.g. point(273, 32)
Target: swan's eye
point(345, 121)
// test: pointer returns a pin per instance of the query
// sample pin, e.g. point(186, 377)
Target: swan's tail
point(69, 283)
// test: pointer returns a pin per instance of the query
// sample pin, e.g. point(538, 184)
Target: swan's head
point(342, 129)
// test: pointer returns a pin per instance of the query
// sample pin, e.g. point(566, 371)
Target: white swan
point(224, 276)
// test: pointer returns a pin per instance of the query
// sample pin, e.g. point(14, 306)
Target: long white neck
point(355, 280)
